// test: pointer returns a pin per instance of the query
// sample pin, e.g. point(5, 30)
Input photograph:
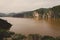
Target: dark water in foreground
point(30, 26)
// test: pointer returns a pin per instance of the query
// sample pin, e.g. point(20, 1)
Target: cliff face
point(54, 11)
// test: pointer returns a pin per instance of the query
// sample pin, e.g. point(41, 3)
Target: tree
point(47, 38)
point(34, 37)
point(58, 38)
point(19, 37)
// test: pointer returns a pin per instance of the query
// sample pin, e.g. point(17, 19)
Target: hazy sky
point(25, 5)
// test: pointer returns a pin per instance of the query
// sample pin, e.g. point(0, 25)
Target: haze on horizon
point(7, 6)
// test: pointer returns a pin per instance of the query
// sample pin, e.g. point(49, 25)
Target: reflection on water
point(55, 23)
point(42, 26)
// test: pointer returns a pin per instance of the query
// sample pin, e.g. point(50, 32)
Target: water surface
point(30, 26)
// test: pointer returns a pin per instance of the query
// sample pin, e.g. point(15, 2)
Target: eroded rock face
point(4, 24)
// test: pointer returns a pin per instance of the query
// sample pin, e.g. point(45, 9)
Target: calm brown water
point(30, 26)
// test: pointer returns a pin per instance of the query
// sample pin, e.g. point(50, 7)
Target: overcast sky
point(7, 6)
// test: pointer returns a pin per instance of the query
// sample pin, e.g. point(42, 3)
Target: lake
point(30, 26)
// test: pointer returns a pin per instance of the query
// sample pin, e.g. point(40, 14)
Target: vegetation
point(4, 27)
point(19, 37)
point(33, 37)
point(47, 38)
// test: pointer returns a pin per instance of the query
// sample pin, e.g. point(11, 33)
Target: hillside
point(29, 14)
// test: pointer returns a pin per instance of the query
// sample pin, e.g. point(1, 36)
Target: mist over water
point(30, 26)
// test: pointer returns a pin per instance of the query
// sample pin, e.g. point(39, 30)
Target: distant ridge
point(29, 14)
